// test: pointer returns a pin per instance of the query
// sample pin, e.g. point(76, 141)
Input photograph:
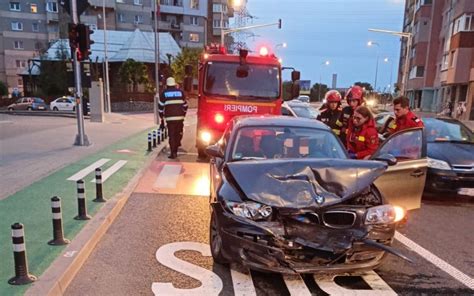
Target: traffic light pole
point(81, 137)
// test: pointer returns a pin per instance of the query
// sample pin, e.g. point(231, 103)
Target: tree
point(366, 85)
point(134, 73)
point(188, 56)
point(3, 89)
point(317, 92)
point(49, 82)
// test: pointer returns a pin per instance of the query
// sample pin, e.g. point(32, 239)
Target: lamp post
point(108, 108)
point(386, 60)
point(156, 34)
point(370, 44)
point(326, 63)
point(284, 45)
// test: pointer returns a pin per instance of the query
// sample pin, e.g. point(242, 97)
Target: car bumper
point(251, 246)
point(449, 182)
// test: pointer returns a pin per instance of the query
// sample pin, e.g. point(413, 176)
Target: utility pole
point(81, 137)
point(156, 98)
point(107, 84)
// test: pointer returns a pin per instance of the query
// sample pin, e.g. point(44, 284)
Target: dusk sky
point(334, 30)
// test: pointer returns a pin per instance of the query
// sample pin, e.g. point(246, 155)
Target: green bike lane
point(32, 206)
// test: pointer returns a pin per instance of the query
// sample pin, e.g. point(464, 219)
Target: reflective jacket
point(332, 119)
point(362, 141)
point(405, 122)
point(173, 105)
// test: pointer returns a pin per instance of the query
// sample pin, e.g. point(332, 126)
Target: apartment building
point(441, 57)
point(26, 28)
point(219, 10)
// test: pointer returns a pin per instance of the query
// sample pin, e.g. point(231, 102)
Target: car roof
point(297, 103)
point(287, 121)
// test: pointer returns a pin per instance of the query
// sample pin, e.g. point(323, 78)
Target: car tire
point(215, 241)
point(10, 109)
point(73, 108)
point(29, 109)
point(55, 109)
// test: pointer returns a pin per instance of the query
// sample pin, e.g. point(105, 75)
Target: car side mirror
point(295, 90)
point(214, 151)
point(295, 75)
point(388, 158)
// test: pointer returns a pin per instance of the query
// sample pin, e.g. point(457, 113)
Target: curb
point(58, 276)
point(42, 113)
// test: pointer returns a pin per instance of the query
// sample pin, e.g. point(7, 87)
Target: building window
point(15, 6)
point(18, 44)
point(194, 21)
point(420, 71)
point(216, 24)
point(53, 28)
point(121, 18)
point(194, 4)
point(35, 27)
point(33, 8)
point(137, 2)
point(38, 45)
point(216, 7)
point(120, 1)
point(451, 59)
point(138, 19)
point(20, 63)
point(193, 37)
point(20, 81)
point(52, 6)
point(17, 26)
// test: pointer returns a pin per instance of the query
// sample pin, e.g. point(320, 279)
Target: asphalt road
point(158, 245)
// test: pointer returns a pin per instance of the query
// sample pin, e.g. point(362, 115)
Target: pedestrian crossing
point(114, 168)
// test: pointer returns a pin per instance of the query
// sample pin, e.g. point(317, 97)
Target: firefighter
point(332, 114)
point(404, 118)
point(355, 98)
point(362, 136)
point(172, 109)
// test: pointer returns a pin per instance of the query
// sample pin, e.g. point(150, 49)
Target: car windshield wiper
point(249, 158)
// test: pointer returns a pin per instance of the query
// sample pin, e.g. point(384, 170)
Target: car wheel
point(10, 109)
point(55, 109)
point(73, 108)
point(215, 240)
point(29, 109)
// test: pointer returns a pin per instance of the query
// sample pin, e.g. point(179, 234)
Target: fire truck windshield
point(262, 81)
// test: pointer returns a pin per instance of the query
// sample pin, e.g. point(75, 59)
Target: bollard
point(22, 277)
point(149, 141)
point(166, 132)
point(154, 139)
point(163, 134)
point(58, 235)
point(98, 186)
point(158, 136)
point(81, 202)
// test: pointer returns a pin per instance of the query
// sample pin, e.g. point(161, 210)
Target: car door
point(68, 104)
point(403, 183)
point(24, 104)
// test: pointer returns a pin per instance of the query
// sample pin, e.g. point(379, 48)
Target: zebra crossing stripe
point(379, 287)
point(243, 284)
point(84, 172)
point(295, 284)
point(110, 171)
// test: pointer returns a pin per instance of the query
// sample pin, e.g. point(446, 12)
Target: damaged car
point(286, 198)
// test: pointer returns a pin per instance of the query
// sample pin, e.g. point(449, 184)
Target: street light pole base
point(77, 141)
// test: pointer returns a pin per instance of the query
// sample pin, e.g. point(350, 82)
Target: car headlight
point(249, 209)
point(384, 214)
point(438, 164)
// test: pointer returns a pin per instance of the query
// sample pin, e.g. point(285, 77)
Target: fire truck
point(236, 84)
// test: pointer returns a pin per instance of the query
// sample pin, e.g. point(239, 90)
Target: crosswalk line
point(110, 171)
point(243, 284)
point(296, 286)
point(168, 176)
point(379, 287)
point(84, 172)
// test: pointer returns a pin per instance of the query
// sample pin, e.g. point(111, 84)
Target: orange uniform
point(405, 122)
point(362, 141)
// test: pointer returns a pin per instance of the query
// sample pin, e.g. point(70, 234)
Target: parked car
point(28, 103)
point(303, 98)
point(286, 198)
point(63, 104)
point(296, 108)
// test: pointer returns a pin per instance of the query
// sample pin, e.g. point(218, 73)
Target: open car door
point(403, 183)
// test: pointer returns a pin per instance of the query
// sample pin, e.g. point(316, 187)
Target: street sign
point(81, 6)
point(305, 87)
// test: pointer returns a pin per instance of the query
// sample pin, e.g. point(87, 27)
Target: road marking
point(243, 284)
point(110, 171)
point(211, 283)
point(438, 262)
point(84, 172)
point(168, 176)
point(379, 287)
point(296, 286)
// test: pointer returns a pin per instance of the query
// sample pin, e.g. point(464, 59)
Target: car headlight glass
point(438, 164)
point(384, 214)
point(249, 209)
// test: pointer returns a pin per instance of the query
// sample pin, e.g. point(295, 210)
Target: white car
point(303, 98)
point(63, 104)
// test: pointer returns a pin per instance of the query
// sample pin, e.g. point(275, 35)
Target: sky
point(331, 30)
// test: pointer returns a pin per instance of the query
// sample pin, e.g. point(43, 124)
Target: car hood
point(453, 153)
point(304, 183)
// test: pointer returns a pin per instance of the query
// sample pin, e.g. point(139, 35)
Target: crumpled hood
point(304, 183)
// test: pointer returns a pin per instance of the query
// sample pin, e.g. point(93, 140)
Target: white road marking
point(168, 176)
point(379, 287)
point(296, 286)
point(211, 282)
point(243, 284)
point(110, 171)
point(438, 262)
point(84, 172)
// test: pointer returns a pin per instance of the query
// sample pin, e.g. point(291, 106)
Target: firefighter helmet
point(333, 96)
point(355, 93)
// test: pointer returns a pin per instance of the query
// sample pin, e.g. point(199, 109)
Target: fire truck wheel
point(202, 153)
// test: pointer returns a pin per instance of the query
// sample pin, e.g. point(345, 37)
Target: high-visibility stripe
point(55, 204)
point(336, 131)
point(162, 103)
point(19, 248)
point(361, 138)
point(56, 216)
point(17, 233)
point(173, 118)
point(338, 123)
point(241, 103)
point(174, 102)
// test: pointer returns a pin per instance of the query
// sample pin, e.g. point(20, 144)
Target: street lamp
point(370, 44)
point(386, 60)
point(284, 45)
point(106, 60)
point(326, 63)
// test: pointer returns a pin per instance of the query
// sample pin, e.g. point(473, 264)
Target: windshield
point(262, 81)
point(305, 111)
point(37, 100)
point(446, 131)
point(285, 142)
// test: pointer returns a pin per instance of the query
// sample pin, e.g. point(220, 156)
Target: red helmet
point(333, 96)
point(355, 93)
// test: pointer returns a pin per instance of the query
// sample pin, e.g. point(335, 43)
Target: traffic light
point(84, 42)
point(73, 36)
point(279, 23)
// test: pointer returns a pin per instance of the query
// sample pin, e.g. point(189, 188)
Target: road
point(159, 245)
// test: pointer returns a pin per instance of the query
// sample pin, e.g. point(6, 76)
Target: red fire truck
point(231, 85)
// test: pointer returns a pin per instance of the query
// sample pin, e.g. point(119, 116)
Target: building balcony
point(99, 3)
point(171, 6)
point(168, 26)
point(462, 40)
point(52, 17)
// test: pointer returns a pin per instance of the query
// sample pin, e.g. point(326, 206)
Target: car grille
point(463, 168)
point(339, 219)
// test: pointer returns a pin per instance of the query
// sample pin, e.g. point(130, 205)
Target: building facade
point(220, 13)
point(441, 58)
